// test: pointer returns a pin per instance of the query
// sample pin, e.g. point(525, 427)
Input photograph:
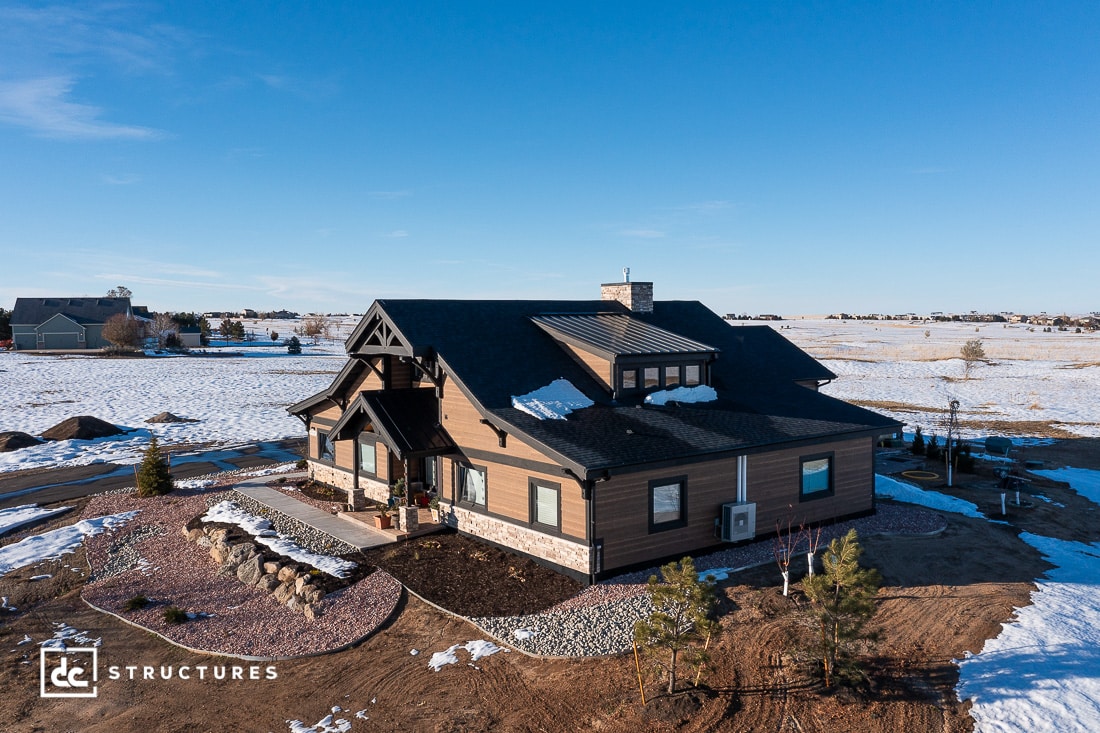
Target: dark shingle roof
point(35, 311)
point(495, 350)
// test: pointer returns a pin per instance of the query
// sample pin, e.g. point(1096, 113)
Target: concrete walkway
point(357, 535)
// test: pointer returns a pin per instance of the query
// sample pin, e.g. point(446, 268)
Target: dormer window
point(629, 355)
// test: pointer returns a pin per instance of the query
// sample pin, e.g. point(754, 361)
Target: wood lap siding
point(599, 369)
point(462, 421)
point(622, 504)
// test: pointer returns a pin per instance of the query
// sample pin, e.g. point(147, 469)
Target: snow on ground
point(234, 399)
point(1082, 480)
point(229, 513)
point(55, 543)
point(17, 516)
point(889, 488)
point(477, 649)
point(1029, 376)
point(552, 402)
point(1042, 673)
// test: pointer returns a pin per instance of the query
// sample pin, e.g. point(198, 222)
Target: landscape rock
point(194, 535)
point(294, 603)
point(310, 611)
point(238, 554)
point(267, 583)
point(272, 568)
point(312, 594)
point(82, 427)
point(289, 572)
point(302, 582)
point(250, 571)
point(219, 551)
point(284, 592)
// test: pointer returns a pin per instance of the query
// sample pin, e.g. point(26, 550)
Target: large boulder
point(14, 440)
point(251, 570)
point(82, 427)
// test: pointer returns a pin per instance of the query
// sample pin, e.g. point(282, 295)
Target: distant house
point(65, 323)
point(190, 337)
point(595, 435)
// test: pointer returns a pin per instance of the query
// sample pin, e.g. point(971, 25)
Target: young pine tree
point(153, 477)
point(917, 447)
point(677, 630)
point(843, 599)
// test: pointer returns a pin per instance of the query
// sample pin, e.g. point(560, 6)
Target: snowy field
point(234, 400)
point(1033, 383)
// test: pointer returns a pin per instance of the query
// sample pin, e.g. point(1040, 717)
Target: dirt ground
point(942, 596)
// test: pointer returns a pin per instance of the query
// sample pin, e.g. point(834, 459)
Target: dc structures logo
point(72, 672)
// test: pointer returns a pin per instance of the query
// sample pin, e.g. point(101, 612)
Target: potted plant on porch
point(433, 504)
point(382, 519)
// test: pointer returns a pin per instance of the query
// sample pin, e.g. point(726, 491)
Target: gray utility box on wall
point(738, 521)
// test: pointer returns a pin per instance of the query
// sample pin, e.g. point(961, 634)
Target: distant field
point(1033, 383)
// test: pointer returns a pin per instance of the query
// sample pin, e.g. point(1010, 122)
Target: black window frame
point(460, 485)
point(830, 490)
point(532, 489)
point(673, 523)
point(372, 446)
point(322, 441)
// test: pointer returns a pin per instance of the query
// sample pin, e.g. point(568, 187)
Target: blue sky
point(788, 158)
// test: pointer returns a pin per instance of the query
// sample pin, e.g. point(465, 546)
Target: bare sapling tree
point(314, 327)
point(678, 631)
point(164, 326)
point(813, 541)
point(972, 352)
point(783, 547)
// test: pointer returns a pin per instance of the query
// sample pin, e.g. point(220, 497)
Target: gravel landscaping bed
point(600, 619)
point(151, 557)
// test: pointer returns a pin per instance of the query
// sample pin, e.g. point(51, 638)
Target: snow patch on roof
point(702, 393)
point(552, 402)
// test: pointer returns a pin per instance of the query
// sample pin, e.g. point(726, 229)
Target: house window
point(368, 458)
point(471, 485)
point(325, 448)
point(691, 375)
point(817, 476)
point(630, 379)
point(672, 376)
point(546, 503)
point(667, 504)
point(652, 377)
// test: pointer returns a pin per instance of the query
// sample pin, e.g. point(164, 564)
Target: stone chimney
point(638, 297)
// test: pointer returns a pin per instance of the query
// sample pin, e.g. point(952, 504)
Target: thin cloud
point(41, 105)
point(126, 180)
point(642, 233)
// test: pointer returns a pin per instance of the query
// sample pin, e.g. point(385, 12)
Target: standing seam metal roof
point(620, 334)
